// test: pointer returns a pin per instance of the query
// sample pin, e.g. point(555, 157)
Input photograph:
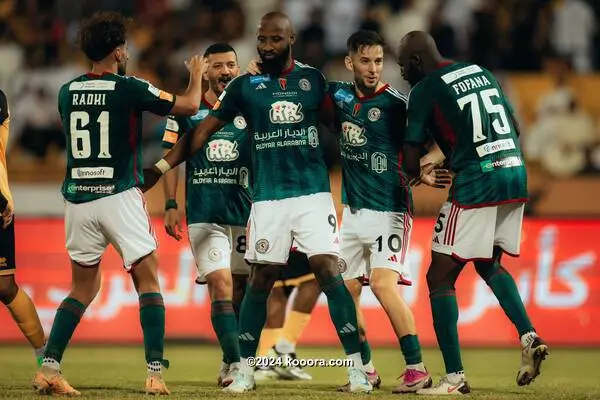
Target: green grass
point(119, 373)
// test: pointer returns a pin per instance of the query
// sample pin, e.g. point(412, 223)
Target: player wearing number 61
point(101, 113)
point(471, 119)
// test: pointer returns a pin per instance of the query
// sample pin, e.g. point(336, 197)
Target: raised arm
point(189, 102)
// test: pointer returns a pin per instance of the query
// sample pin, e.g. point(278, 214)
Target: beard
point(276, 64)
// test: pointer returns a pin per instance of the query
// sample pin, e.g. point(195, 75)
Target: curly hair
point(102, 33)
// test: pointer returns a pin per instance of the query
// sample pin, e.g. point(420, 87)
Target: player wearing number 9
point(471, 119)
point(101, 113)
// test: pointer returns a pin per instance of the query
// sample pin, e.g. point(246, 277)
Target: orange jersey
point(4, 130)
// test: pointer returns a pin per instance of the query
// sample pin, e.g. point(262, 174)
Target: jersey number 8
point(500, 125)
point(81, 146)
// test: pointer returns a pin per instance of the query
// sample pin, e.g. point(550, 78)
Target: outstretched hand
point(151, 177)
point(434, 176)
point(254, 67)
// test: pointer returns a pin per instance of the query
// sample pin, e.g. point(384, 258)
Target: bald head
point(275, 38)
point(277, 19)
point(418, 55)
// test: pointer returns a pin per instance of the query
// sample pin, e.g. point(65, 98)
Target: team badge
point(374, 114)
point(342, 266)
point(239, 122)
point(214, 254)
point(262, 246)
point(304, 84)
point(283, 83)
point(356, 109)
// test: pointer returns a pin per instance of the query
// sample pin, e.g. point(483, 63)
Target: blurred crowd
point(38, 49)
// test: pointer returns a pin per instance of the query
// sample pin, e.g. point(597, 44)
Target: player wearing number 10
point(471, 119)
point(101, 114)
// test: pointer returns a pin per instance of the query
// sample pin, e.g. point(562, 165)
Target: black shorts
point(295, 272)
point(7, 249)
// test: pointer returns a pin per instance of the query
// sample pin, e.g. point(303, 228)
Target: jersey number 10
point(501, 125)
point(81, 145)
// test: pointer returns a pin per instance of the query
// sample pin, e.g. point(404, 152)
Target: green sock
point(505, 289)
point(225, 326)
point(67, 318)
point(445, 319)
point(152, 317)
point(343, 313)
point(365, 352)
point(411, 349)
point(253, 315)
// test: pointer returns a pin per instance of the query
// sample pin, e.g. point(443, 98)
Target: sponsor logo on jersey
point(506, 162)
point(200, 115)
point(460, 73)
point(258, 79)
point(220, 150)
point(494, 147)
point(261, 86)
point(313, 136)
point(286, 112)
point(352, 134)
point(170, 137)
point(172, 125)
point(356, 109)
point(244, 177)
point(92, 173)
point(283, 83)
point(93, 85)
point(343, 95)
point(374, 114)
point(379, 162)
point(95, 189)
point(239, 122)
point(304, 84)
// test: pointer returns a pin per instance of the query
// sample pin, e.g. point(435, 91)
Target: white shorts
point(121, 220)
point(217, 247)
point(309, 221)
point(471, 234)
point(374, 239)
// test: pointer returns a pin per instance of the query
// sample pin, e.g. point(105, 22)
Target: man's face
point(274, 44)
point(222, 68)
point(121, 57)
point(411, 65)
point(367, 64)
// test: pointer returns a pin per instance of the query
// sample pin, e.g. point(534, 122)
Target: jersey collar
point(370, 96)
point(93, 75)
point(206, 102)
point(445, 64)
point(289, 69)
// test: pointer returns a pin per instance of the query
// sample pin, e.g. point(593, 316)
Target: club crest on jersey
point(244, 180)
point(262, 246)
point(214, 255)
point(374, 114)
point(356, 109)
point(286, 112)
point(352, 134)
point(201, 114)
point(239, 122)
point(283, 83)
point(343, 96)
point(304, 84)
point(258, 79)
point(220, 150)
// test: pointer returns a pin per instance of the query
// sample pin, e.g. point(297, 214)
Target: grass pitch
point(111, 372)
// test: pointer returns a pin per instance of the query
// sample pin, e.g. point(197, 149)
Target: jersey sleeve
point(398, 110)
point(174, 129)
point(229, 104)
point(146, 97)
point(418, 111)
point(3, 108)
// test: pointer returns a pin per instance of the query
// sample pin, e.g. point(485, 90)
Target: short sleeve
point(228, 106)
point(418, 111)
point(174, 129)
point(146, 97)
point(3, 107)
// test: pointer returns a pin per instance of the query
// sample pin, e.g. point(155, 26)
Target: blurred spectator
point(443, 33)
point(573, 28)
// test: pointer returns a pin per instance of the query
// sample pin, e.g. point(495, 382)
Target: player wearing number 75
point(101, 113)
point(471, 119)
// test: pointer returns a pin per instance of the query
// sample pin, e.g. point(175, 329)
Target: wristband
point(171, 204)
point(162, 165)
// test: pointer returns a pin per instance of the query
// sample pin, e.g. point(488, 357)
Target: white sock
point(39, 352)
point(51, 363)
point(527, 338)
point(419, 367)
point(369, 367)
point(356, 360)
point(245, 368)
point(456, 377)
point(235, 365)
point(285, 347)
point(154, 367)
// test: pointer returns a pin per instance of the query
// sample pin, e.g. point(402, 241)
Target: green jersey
point(282, 115)
point(102, 119)
point(217, 177)
point(371, 133)
point(465, 109)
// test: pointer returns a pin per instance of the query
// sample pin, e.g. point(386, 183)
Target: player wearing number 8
point(463, 106)
point(101, 113)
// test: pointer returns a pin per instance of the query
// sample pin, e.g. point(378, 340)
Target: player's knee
point(382, 281)
point(264, 276)
point(324, 266)
point(220, 284)
point(487, 270)
point(8, 289)
point(354, 287)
